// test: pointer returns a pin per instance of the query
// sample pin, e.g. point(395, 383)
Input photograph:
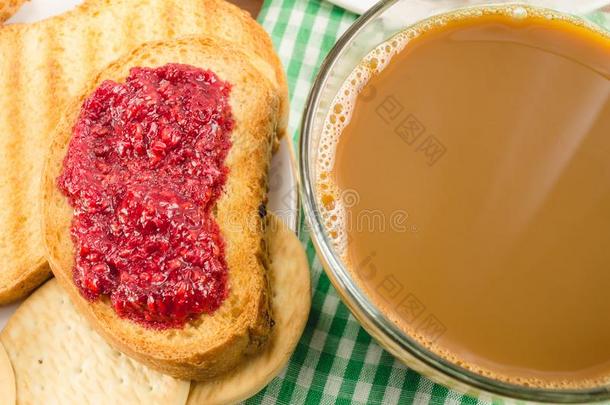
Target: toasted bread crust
point(291, 292)
point(14, 289)
point(44, 65)
point(214, 343)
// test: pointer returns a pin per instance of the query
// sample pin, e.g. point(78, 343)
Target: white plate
point(283, 191)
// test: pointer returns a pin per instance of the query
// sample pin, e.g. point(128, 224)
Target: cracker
point(58, 358)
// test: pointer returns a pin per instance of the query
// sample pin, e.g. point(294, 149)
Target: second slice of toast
point(210, 344)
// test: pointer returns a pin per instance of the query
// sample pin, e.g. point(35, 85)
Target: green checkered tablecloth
point(336, 361)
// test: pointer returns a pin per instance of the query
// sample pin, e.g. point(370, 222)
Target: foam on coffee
point(335, 203)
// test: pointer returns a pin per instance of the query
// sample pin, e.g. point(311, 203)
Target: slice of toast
point(59, 359)
point(44, 65)
point(213, 343)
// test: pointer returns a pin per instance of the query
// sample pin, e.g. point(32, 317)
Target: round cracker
point(58, 358)
point(290, 303)
point(7, 379)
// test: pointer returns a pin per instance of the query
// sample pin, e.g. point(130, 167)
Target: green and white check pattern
point(336, 361)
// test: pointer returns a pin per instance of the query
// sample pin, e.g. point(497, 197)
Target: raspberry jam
point(143, 170)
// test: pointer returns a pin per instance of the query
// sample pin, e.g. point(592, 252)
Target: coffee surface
point(468, 186)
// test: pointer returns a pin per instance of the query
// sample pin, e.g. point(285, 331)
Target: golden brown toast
point(45, 64)
point(214, 343)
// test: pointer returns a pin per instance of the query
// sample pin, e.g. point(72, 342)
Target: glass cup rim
point(346, 286)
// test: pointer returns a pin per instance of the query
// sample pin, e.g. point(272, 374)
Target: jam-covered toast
point(209, 342)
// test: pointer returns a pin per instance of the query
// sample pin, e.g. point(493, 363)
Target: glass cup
point(385, 19)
